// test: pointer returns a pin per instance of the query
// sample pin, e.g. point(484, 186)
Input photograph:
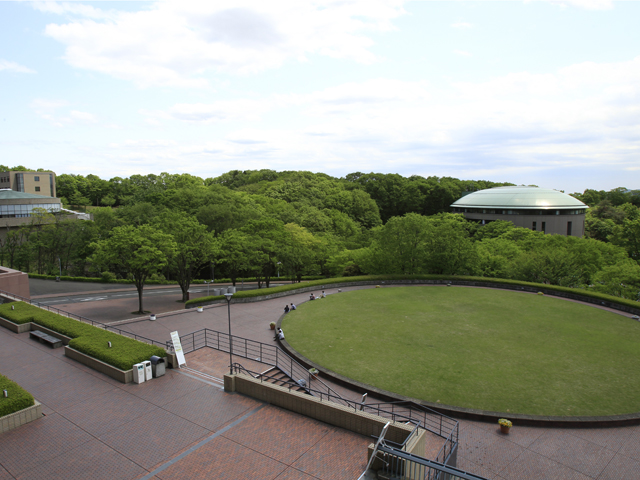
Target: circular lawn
point(478, 348)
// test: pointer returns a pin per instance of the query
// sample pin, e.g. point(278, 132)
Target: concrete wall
point(328, 412)
point(554, 224)
point(19, 418)
point(15, 282)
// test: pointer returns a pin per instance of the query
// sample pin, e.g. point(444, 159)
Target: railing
point(428, 419)
point(401, 465)
point(260, 352)
point(437, 423)
point(87, 320)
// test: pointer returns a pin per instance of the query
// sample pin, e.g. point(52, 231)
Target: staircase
point(278, 377)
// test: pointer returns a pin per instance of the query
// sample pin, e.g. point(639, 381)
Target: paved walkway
point(175, 426)
point(100, 424)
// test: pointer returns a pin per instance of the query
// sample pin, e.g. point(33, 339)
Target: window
point(37, 189)
point(36, 179)
point(544, 227)
point(534, 227)
point(568, 229)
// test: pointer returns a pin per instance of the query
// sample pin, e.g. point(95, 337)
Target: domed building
point(540, 209)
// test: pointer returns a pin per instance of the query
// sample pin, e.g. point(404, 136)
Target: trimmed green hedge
point(93, 341)
point(66, 278)
point(17, 400)
point(124, 351)
point(22, 312)
point(381, 278)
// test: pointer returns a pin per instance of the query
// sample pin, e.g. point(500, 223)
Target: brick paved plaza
point(185, 425)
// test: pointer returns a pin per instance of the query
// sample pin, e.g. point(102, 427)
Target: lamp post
point(279, 263)
point(208, 282)
point(228, 297)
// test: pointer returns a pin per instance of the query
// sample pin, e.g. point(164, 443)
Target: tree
point(195, 246)
point(137, 252)
point(402, 243)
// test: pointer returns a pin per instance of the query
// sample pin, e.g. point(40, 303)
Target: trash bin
point(57, 279)
point(138, 373)
point(147, 370)
point(231, 289)
point(157, 366)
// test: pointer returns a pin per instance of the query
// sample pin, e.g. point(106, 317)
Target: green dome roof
point(519, 197)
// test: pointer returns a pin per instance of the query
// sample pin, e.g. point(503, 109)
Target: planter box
point(15, 327)
point(123, 376)
point(21, 417)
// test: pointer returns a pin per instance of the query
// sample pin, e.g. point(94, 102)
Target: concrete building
point(540, 209)
point(17, 207)
point(36, 183)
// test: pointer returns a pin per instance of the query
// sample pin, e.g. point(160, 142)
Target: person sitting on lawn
point(293, 306)
point(286, 309)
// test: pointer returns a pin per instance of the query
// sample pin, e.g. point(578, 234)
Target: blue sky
point(535, 92)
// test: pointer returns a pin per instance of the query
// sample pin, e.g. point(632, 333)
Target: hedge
point(22, 312)
point(123, 353)
point(93, 341)
point(17, 400)
point(66, 278)
point(381, 278)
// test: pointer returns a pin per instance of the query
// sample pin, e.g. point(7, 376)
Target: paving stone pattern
point(97, 428)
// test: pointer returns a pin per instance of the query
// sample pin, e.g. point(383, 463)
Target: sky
point(529, 92)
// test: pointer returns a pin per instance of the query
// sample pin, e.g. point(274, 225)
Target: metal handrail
point(408, 465)
point(446, 427)
point(262, 352)
point(73, 316)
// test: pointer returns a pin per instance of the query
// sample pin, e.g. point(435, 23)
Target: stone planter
point(200, 309)
point(21, 417)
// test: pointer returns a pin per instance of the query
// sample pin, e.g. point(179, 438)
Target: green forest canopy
point(261, 223)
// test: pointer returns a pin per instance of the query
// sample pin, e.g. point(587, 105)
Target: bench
point(42, 337)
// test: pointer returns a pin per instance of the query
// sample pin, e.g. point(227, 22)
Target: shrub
point(88, 339)
point(124, 351)
point(17, 400)
point(107, 277)
point(379, 278)
point(22, 312)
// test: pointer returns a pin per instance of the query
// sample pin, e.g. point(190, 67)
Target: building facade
point(36, 183)
point(539, 209)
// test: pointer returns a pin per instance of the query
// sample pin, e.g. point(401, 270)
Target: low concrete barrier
point(21, 417)
point(124, 376)
point(325, 411)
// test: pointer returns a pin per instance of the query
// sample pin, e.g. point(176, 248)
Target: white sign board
point(177, 347)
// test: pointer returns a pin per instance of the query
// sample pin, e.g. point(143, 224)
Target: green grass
point(441, 278)
point(476, 348)
point(17, 400)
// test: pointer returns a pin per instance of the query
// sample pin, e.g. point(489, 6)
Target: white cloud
point(462, 53)
point(83, 117)
point(48, 110)
point(14, 67)
point(461, 25)
point(178, 43)
point(586, 4)
point(74, 9)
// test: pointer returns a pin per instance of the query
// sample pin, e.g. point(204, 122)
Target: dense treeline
point(262, 224)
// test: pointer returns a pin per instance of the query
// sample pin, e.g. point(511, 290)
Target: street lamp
point(228, 297)
point(208, 282)
point(279, 263)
